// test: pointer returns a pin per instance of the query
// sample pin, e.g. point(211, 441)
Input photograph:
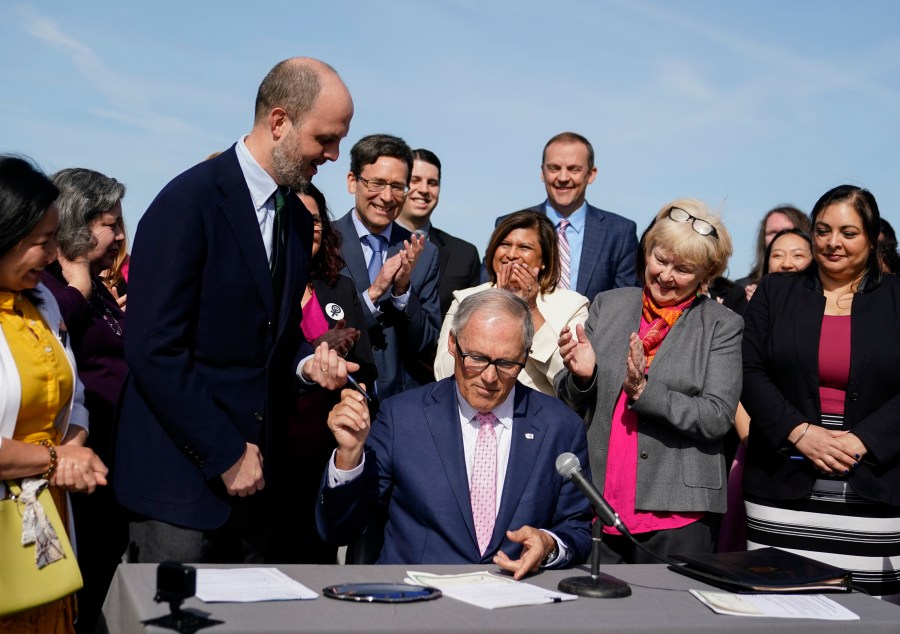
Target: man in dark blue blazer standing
point(395, 272)
point(450, 498)
point(603, 245)
point(219, 265)
point(460, 266)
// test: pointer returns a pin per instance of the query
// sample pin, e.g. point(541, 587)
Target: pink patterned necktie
point(563, 242)
point(483, 490)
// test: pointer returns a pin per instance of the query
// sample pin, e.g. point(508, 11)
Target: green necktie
point(277, 230)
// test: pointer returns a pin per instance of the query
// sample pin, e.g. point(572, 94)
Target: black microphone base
point(600, 587)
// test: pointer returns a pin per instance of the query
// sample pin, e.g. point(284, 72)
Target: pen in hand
point(357, 386)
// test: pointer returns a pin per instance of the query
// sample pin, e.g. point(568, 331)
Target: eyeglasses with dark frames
point(375, 186)
point(699, 225)
point(478, 363)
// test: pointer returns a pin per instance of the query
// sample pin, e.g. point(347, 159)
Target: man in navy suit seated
point(465, 466)
point(598, 249)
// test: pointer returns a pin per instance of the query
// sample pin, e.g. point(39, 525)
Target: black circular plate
point(381, 592)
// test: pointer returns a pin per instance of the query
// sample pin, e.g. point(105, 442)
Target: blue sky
point(745, 105)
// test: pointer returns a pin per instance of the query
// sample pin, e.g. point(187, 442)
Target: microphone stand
point(598, 585)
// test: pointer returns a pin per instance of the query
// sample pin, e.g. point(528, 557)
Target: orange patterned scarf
point(661, 320)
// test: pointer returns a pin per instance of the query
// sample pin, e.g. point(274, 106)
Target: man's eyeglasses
point(376, 186)
point(699, 225)
point(478, 363)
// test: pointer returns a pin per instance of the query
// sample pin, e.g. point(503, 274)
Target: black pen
point(357, 386)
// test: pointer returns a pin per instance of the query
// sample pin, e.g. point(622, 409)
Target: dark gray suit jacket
point(459, 263)
point(608, 252)
point(399, 338)
point(686, 408)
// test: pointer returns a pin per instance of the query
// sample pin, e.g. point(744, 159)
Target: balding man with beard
point(219, 265)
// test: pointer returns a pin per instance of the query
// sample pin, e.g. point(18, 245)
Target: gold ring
point(324, 369)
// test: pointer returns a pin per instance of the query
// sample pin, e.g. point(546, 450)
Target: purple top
point(96, 330)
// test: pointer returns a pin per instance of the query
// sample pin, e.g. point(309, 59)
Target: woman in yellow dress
point(43, 422)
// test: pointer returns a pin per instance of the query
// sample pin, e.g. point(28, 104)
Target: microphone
point(567, 466)
point(598, 585)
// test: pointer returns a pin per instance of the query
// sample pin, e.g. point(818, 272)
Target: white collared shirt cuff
point(373, 309)
point(337, 477)
point(300, 376)
point(562, 552)
point(401, 301)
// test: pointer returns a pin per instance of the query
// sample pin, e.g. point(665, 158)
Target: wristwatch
point(552, 555)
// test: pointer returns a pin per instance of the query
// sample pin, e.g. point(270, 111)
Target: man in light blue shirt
point(395, 272)
point(602, 246)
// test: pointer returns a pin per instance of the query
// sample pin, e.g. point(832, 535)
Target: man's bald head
point(293, 85)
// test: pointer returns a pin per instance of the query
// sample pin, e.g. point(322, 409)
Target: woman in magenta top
point(331, 312)
point(822, 387)
point(657, 372)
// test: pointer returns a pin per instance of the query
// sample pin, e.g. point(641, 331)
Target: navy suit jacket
point(459, 264)
point(399, 338)
point(416, 466)
point(207, 347)
point(608, 252)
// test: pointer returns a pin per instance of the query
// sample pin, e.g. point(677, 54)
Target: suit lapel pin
point(334, 311)
point(529, 436)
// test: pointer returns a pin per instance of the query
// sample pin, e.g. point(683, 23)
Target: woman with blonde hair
point(656, 371)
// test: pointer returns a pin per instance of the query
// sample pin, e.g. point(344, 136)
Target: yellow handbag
point(24, 583)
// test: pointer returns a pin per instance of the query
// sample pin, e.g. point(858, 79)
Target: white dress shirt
point(262, 192)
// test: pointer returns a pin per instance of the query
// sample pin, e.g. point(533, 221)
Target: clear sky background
point(745, 105)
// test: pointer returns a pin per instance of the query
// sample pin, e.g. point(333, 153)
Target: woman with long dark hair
point(822, 387)
point(43, 421)
point(332, 312)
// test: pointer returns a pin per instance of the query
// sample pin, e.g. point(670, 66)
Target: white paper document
point(247, 585)
point(782, 606)
point(487, 590)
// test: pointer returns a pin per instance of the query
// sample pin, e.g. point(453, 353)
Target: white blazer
point(560, 308)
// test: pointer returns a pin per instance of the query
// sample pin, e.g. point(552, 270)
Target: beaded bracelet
point(53, 459)
point(803, 433)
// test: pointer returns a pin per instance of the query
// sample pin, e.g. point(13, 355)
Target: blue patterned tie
point(378, 244)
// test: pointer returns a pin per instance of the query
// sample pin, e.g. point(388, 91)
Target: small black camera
point(175, 582)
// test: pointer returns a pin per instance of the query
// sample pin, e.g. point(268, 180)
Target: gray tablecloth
point(660, 601)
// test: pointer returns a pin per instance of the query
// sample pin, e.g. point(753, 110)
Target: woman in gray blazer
point(657, 374)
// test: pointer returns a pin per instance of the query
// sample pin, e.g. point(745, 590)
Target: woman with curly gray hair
point(90, 236)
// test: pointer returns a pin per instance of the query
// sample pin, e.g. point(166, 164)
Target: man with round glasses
point(465, 467)
point(395, 272)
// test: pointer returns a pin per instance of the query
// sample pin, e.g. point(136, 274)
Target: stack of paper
point(246, 585)
point(487, 590)
point(783, 606)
